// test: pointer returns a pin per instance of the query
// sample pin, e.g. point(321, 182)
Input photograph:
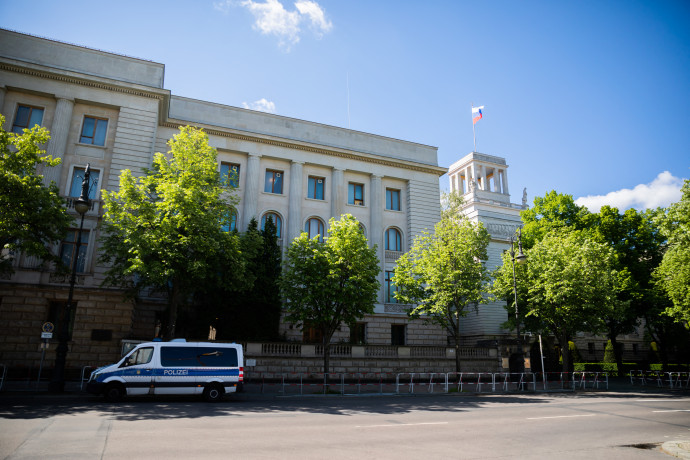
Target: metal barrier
point(82, 380)
point(593, 378)
point(674, 379)
point(431, 382)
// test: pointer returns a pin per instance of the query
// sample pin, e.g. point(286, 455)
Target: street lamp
point(81, 205)
point(520, 258)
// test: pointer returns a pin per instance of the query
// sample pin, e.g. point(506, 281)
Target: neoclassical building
point(113, 112)
point(482, 180)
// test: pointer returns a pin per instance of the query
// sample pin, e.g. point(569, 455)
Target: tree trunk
point(616, 353)
point(172, 312)
point(565, 352)
point(457, 352)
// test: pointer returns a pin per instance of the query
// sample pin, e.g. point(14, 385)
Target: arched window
point(277, 221)
point(314, 227)
point(393, 240)
point(229, 222)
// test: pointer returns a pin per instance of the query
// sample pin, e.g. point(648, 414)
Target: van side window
point(198, 357)
point(141, 356)
point(217, 357)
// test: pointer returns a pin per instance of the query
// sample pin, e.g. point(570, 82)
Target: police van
point(172, 368)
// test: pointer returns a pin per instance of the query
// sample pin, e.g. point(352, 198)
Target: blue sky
point(589, 98)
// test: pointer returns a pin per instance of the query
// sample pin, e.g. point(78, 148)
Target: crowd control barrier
point(660, 379)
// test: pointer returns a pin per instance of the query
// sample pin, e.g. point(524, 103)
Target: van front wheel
point(213, 392)
point(114, 392)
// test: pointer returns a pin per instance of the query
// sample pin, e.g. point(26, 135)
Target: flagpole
point(474, 135)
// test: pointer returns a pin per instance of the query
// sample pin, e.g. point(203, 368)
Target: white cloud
point(271, 18)
point(316, 15)
point(662, 191)
point(262, 105)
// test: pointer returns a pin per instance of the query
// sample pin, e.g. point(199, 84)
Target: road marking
point(673, 410)
point(561, 416)
point(663, 400)
point(402, 424)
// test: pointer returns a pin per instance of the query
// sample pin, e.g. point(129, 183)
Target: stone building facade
point(113, 112)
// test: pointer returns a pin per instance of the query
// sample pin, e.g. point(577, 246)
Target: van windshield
point(141, 356)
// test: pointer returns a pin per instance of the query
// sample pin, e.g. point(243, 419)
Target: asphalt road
point(526, 426)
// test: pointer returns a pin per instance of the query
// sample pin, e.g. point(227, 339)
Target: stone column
point(337, 193)
point(58, 138)
point(505, 182)
point(376, 231)
point(251, 190)
point(295, 202)
point(473, 180)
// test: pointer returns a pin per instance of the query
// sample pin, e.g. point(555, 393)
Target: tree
point(553, 211)
point(332, 282)
point(673, 274)
point(444, 273)
point(250, 311)
point(569, 277)
point(163, 229)
point(637, 244)
point(33, 216)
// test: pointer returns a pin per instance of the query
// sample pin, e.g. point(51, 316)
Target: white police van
point(172, 368)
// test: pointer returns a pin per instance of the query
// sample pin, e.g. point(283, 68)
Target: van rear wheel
point(213, 392)
point(114, 392)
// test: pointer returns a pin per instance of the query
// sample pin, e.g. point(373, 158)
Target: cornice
point(347, 154)
point(80, 81)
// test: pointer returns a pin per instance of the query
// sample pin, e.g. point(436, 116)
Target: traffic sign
point(46, 335)
point(48, 327)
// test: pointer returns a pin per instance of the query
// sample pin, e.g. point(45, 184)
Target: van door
point(176, 374)
point(138, 371)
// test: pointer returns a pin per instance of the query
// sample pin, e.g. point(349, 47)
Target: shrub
point(609, 355)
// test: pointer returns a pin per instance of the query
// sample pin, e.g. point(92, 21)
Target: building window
point(590, 347)
point(398, 334)
point(26, 118)
point(393, 240)
point(56, 312)
point(392, 199)
point(230, 174)
point(229, 222)
point(93, 131)
point(634, 348)
point(315, 187)
point(355, 194)
point(274, 182)
point(312, 335)
point(390, 288)
point(276, 221)
point(358, 334)
point(78, 178)
point(314, 227)
point(68, 248)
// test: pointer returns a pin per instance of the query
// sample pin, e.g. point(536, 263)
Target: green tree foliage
point(552, 212)
point(164, 229)
point(569, 276)
point(638, 246)
point(444, 273)
point(673, 274)
point(330, 283)
point(32, 215)
point(251, 311)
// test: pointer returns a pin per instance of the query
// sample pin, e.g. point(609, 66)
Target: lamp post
point(81, 205)
point(519, 258)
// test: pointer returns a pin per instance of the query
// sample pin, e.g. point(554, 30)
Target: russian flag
point(477, 114)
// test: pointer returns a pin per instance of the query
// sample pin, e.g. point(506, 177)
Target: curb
point(678, 449)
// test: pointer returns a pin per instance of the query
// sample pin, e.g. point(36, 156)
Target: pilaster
point(337, 193)
point(295, 201)
point(58, 137)
point(251, 190)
